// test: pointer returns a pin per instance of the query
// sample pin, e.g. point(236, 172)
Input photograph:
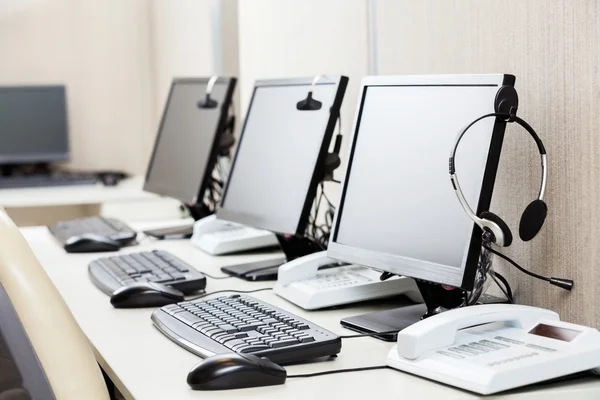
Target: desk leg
point(110, 386)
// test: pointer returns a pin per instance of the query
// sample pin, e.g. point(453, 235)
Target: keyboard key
point(249, 327)
point(306, 339)
point(303, 327)
point(228, 328)
point(283, 343)
point(254, 348)
point(230, 344)
point(187, 317)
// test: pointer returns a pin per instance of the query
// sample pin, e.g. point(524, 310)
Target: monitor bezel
point(35, 158)
point(464, 277)
point(214, 151)
point(341, 82)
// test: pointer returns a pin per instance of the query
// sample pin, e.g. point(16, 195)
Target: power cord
point(227, 291)
point(566, 284)
point(395, 331)
point(216, 277)
point(339, 371)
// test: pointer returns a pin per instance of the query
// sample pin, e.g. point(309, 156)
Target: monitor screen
point(21, 377)
point(398, 210)
point(184, 153)
point(274, 175)
point(33, 124)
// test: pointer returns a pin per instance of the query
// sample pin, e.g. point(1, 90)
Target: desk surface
point(127, 190)
point(146, 365)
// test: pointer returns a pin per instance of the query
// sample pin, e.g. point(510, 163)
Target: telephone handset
point(495, 347)
point(316, 281)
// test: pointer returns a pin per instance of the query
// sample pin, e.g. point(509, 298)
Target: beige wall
point(101, 51)
point(117, 59)
point(553, 47)
point(281, 38)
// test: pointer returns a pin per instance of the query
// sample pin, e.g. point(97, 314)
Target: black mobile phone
point(265, 270)
point(172, 232)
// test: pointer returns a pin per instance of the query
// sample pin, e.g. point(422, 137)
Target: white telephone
point(525, 346)
point(216, 236)
point(301, 282)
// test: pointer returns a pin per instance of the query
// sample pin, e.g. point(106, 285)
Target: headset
point(495, 230)
point(332, 161)
point(226, 138)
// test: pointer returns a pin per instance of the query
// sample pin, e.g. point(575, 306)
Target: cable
point(370, 334)
point(216, 277)
point(338, 371)
point(517, 266)
point(227, 291)
point(506, 289)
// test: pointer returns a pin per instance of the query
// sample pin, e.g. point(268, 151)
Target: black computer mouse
point(111, 178)
point(145, 294)
point(235, 371)
point(90, 243)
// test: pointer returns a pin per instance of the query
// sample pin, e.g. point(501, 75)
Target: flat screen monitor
point(281, 152)
point(21, 375)
point(398, 212)
point(187, 143)
point(33, 124)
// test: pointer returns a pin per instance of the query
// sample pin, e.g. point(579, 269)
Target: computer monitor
point(33, 125)
point(398, 212)
point(21, 376)
point(281, 154)
point(188, 139)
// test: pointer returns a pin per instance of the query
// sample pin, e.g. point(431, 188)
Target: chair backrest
point(43, 352)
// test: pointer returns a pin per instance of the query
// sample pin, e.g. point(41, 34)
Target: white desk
point(43, 206)
point(144, 364)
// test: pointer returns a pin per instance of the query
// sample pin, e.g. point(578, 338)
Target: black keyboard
point(111, 273)
point(46, 180)
point(243, 324)
point(101, 226)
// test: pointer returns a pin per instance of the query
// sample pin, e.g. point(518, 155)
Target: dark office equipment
point(265, 270)
point(145, 294)
point(112, 273)
point(188, 143)
point(243, 324)
point(386, 321)
point(33, 125)
point(111, 178)
point(90, 243)
point(48, 180)
point(174, 232)
point(109, 228)
point(235, 371)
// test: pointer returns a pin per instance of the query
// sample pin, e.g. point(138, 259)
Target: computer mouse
point(235, 371)
point(90, 243)
point(145, 294)
point(111, 178)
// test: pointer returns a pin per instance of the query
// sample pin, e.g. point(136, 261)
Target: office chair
point(43, 352)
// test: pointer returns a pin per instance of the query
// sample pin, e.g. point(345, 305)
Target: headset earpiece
point(506, 233)
point(532, 219)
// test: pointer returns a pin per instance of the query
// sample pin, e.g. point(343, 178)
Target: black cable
point(227, 291)
point(517, 266)
point(336, 181)
point(216, 277)
point(370, 334)
point(506, 290)
point(338, 371)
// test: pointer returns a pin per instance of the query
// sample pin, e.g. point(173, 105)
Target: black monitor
point(21, 375)
point(281, 153)
point(398, 212)
point(33, 125)
point(189, 138)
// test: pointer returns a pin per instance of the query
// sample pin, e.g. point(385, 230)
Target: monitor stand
point(292, 246)
point(437, 298)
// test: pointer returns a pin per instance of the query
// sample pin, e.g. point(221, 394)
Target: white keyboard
point(235, 239)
